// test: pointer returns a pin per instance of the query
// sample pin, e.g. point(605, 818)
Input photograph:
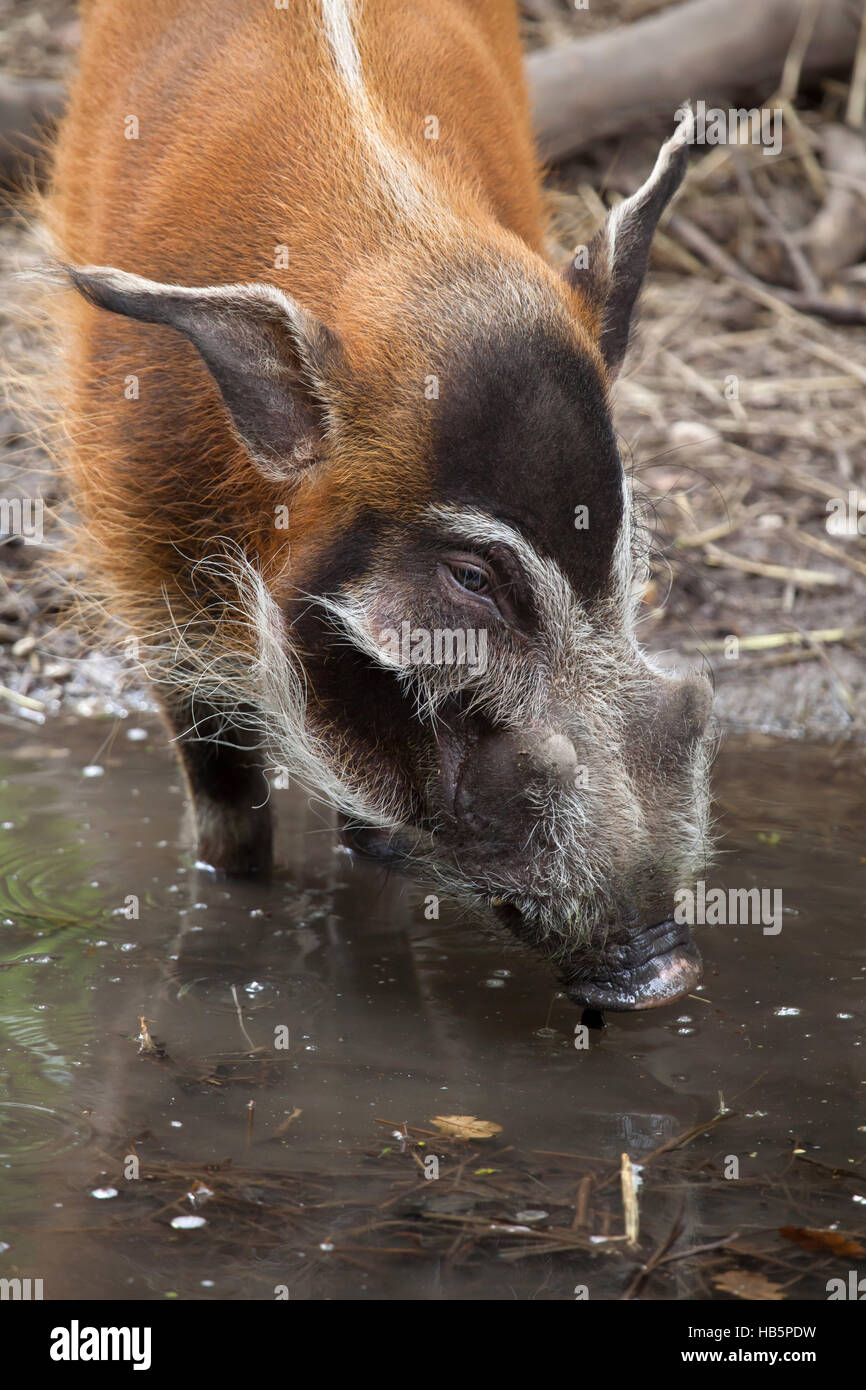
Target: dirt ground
point(741, 418)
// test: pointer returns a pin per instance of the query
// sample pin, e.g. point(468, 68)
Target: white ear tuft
point(618, 255)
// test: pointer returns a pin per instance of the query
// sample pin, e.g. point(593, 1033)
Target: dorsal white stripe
point(412, 194)
point(338, 16)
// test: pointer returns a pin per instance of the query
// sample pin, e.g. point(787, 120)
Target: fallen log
point(722, 51)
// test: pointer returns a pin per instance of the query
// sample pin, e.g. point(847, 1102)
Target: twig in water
point(252, 1045)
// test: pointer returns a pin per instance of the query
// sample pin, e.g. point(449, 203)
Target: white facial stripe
point(561, 608)
point(623, 564)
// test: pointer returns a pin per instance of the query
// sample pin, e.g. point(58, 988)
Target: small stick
point(654, 1260)
point(582, 1203)
point(833, 552)
point(828, 354)
point(714, 533)
point(806, 579)
point(763, 641)
point(25, 701)
point(761, 663)
point(252, 1045)
point(795, 477)
point(629, 1200)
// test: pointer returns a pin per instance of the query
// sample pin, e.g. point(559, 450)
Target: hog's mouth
point(658, 965)
point(652, 966)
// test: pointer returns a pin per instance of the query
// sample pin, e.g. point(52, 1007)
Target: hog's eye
point(471, 578)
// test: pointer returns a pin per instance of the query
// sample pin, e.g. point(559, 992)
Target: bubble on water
point(102, 1193)
point(786, 1011)
point(207, 1283)
point(494, 984)
point(326, 1245)
point(858, 1198)
point(532, 1214)
point(93, 770)
point(136, 735)
point(4, 1246)
point(844, 1015)
point(188, 1223)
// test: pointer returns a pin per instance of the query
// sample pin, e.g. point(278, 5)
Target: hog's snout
point(503, 770)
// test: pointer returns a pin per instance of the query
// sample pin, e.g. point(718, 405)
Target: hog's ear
point(270, 358)
point(609, 272)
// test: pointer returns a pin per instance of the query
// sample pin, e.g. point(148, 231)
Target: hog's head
point(449, 653)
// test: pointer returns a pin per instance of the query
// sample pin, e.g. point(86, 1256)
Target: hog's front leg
point(228, 789)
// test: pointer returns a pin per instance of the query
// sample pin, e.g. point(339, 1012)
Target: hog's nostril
point(501, 771)
point(555, 759)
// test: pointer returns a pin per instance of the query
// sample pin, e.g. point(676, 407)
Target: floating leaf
point(746, 1285)
point(465, 1126)
point(822, 1241)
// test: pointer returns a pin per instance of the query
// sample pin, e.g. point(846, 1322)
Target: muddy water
point(330, 1002)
